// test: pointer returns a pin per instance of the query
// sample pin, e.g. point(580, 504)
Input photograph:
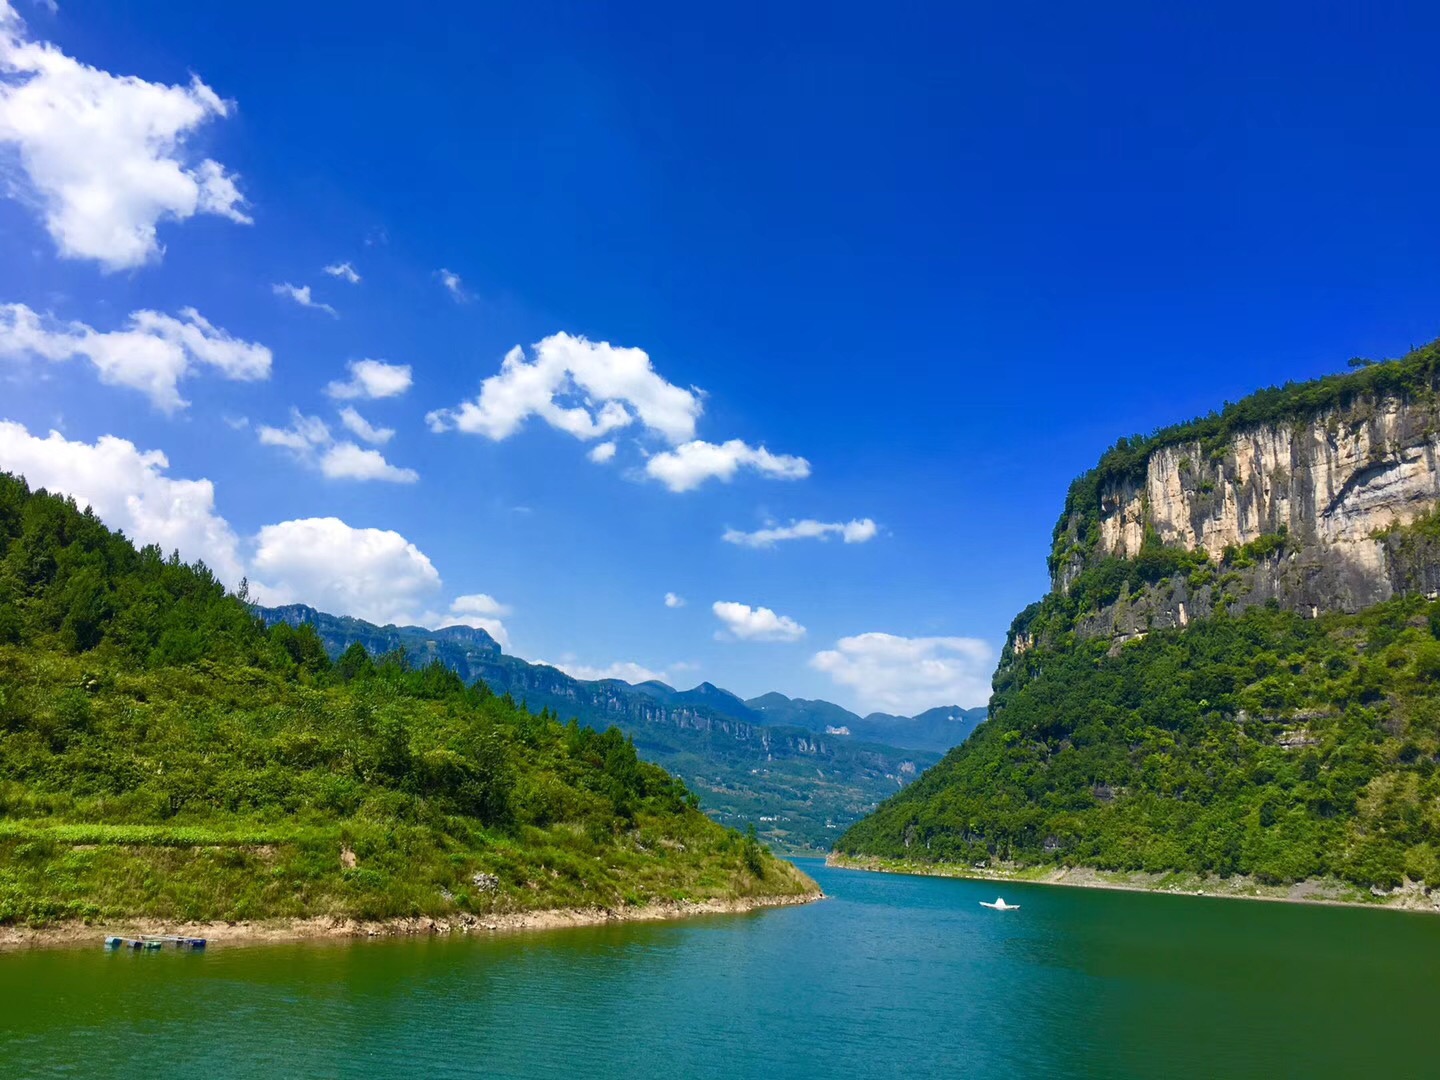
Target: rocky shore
point(322, 927)
point(1412, 896)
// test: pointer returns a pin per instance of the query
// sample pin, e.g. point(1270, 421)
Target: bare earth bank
point(1412, 896)
point(322, 927)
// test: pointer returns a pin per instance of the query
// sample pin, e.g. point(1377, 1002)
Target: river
point(890, 976)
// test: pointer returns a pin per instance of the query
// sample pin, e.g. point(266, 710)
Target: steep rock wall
point(1340, 487)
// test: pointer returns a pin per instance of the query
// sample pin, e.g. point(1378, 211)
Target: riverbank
point(1412, 896)
point(279, 930)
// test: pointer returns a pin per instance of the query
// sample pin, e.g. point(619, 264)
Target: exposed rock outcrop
point(1339, 488)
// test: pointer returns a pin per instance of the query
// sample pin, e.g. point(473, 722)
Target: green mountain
point(1237, 668)
point(798, 784)
point(936, 730)
point(164, 754)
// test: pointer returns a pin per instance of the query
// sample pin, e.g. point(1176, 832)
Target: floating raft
point(154, 941)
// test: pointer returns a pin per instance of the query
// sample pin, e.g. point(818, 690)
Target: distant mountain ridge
point(775, 764)
point(471, 652)
point(936, 729)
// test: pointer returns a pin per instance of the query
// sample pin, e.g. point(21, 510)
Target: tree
point(752, 853)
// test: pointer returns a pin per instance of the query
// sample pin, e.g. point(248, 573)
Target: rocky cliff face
point(1326, 499)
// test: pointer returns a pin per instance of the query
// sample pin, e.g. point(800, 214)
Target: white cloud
point(104, 158)
point(754, 624)
point(371, 379)
point(152, 353)
point(852, 532)
point(673, 600)
point(453, 285)
point(479, 604)
point(346, 461)
point(479, 610)
point(592, 389)
point(587, 389)
point(625, 670)
point(363, 429)
point(301, 295)
point(310, 440)
point(129, 490)
point(909, 675)
point(372, 574)
point(690, 464)
point(344, 271)
point(304, 434)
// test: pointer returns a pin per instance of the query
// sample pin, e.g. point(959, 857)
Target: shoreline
point(330, 928)
point(1411, 897)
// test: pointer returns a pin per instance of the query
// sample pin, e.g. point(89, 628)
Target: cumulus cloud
point(372, 574)
point(691, 464)
point(453, 285)
point(104, 158)
point(304, 434)
point(745, 623)
point(479, 605)
point(301, 295)
point(344, 271)
point(909, 675)
point(310, 440)
point(362, 428)
point(346, 461)
point(586, 389)
point(129, 489)
point(371, 379)
point(625, 670)
point(673, 600)
point(151, 353)
point(852, 532)
point(591, 390)
point(479, 610)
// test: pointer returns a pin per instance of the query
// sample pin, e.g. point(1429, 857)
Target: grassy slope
point(162, 755)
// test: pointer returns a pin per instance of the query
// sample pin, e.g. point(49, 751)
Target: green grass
point(163, 755)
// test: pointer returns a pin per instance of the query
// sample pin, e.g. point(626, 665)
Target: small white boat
point(998, 904)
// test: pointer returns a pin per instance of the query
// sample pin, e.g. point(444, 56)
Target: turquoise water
point(891, 976)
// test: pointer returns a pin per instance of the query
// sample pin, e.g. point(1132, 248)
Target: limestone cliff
point(1312, 508)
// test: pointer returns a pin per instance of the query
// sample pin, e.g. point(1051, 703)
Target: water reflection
point(892, 976)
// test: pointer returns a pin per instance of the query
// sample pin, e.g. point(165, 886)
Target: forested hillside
point(163, 754)
point(1267, 744)
point(1237, 670)
point(782, 773)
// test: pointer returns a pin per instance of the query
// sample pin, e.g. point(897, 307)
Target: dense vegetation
point(1412, 377)
point(746, 766)
point(1266, 744)
point(1050, 622)
point(163, 754)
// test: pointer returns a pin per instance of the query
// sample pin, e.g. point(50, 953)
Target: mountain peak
point(468, 635)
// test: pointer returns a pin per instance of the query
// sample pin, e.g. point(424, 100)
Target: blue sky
point(933, 259)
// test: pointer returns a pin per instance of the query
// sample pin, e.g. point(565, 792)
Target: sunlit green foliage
point(1266, 744)
point(161, 753)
